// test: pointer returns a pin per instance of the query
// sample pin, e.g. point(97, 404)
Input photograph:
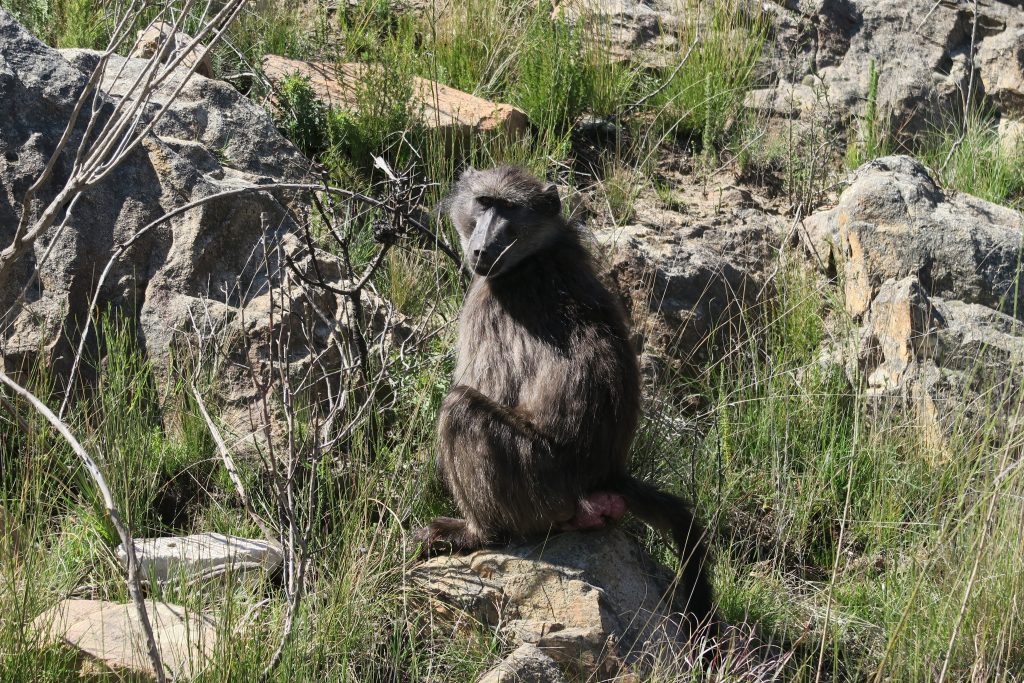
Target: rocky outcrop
point(591, 603)
point(894, 221)
point(691, 272)
point(924, 53)
point(212, 274)
point(161, 36)
point(640, 30)
point(956, 366)
point(934, 281)
point(458, 115)
point(212, 140)
point(1001, 64)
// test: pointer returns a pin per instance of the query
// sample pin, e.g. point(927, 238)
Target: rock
point(893, 221)
point(526, 663)
point(821, 241)
point(932, 279)
point(641, 30)
point(921, 49)
point(458, 114)
point(199, 253)
point(200, 556)
point(205, 275)
point(785, 100)
point(161, 34)
point(900, 331)
point(956, 365)
point(1001, 65)
point(110, 633)
point(219, 132)
point(591, 602)
point(689, 271)
point(1011, 135)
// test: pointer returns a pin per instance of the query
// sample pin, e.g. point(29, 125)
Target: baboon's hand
point(445, 535)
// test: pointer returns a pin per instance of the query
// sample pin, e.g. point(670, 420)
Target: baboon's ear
point(548, 201)
point(467, 173)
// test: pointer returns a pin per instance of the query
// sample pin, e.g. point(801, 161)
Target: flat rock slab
point(459, 113)
point(201, 556)
point(110, 633)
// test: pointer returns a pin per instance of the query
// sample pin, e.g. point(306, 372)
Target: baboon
point(534, 435)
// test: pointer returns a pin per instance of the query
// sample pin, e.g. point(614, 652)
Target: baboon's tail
point(670, 514)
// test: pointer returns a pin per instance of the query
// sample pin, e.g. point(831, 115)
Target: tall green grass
point(970, 156)
point(833, 504)
point(720, 44)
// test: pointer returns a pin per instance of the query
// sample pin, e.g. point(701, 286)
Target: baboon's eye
point(494, 202)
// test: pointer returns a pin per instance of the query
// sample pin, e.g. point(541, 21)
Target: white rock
point(201, 556)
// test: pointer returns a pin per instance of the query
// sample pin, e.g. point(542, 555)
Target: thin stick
point(229, 465)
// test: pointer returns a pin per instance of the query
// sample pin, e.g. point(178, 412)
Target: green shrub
point(301, 117)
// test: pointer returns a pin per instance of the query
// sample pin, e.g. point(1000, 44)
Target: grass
point(842, 527)
point(969, 156)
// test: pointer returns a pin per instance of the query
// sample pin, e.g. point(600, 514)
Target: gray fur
point(546, 394)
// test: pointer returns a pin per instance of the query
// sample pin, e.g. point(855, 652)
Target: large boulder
point(894, 221)
point(1001, 63)
point(956, 366)
point(215, 273)
point(933, 280)
point(926, 54)
point(212, 140)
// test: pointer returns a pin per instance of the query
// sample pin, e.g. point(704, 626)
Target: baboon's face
point(503, 216)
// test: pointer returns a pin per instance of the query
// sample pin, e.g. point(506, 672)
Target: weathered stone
point(210, 125)
point(200, 556)
point(457, 114)
point(688, 272)
point(205, 275)
point(161, 35)
point(894, 221)
point(644, 31)
point(202, 252)
point(526, 663)
point(591, 602)
point(919, 48)
point(1011, 135)
point(819, 238)
point(784, 100)
point(1001, 65)
point(900, 331)
point(957, 366)
point(111, 634)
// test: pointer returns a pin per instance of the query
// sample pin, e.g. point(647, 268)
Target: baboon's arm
point(502, 469)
